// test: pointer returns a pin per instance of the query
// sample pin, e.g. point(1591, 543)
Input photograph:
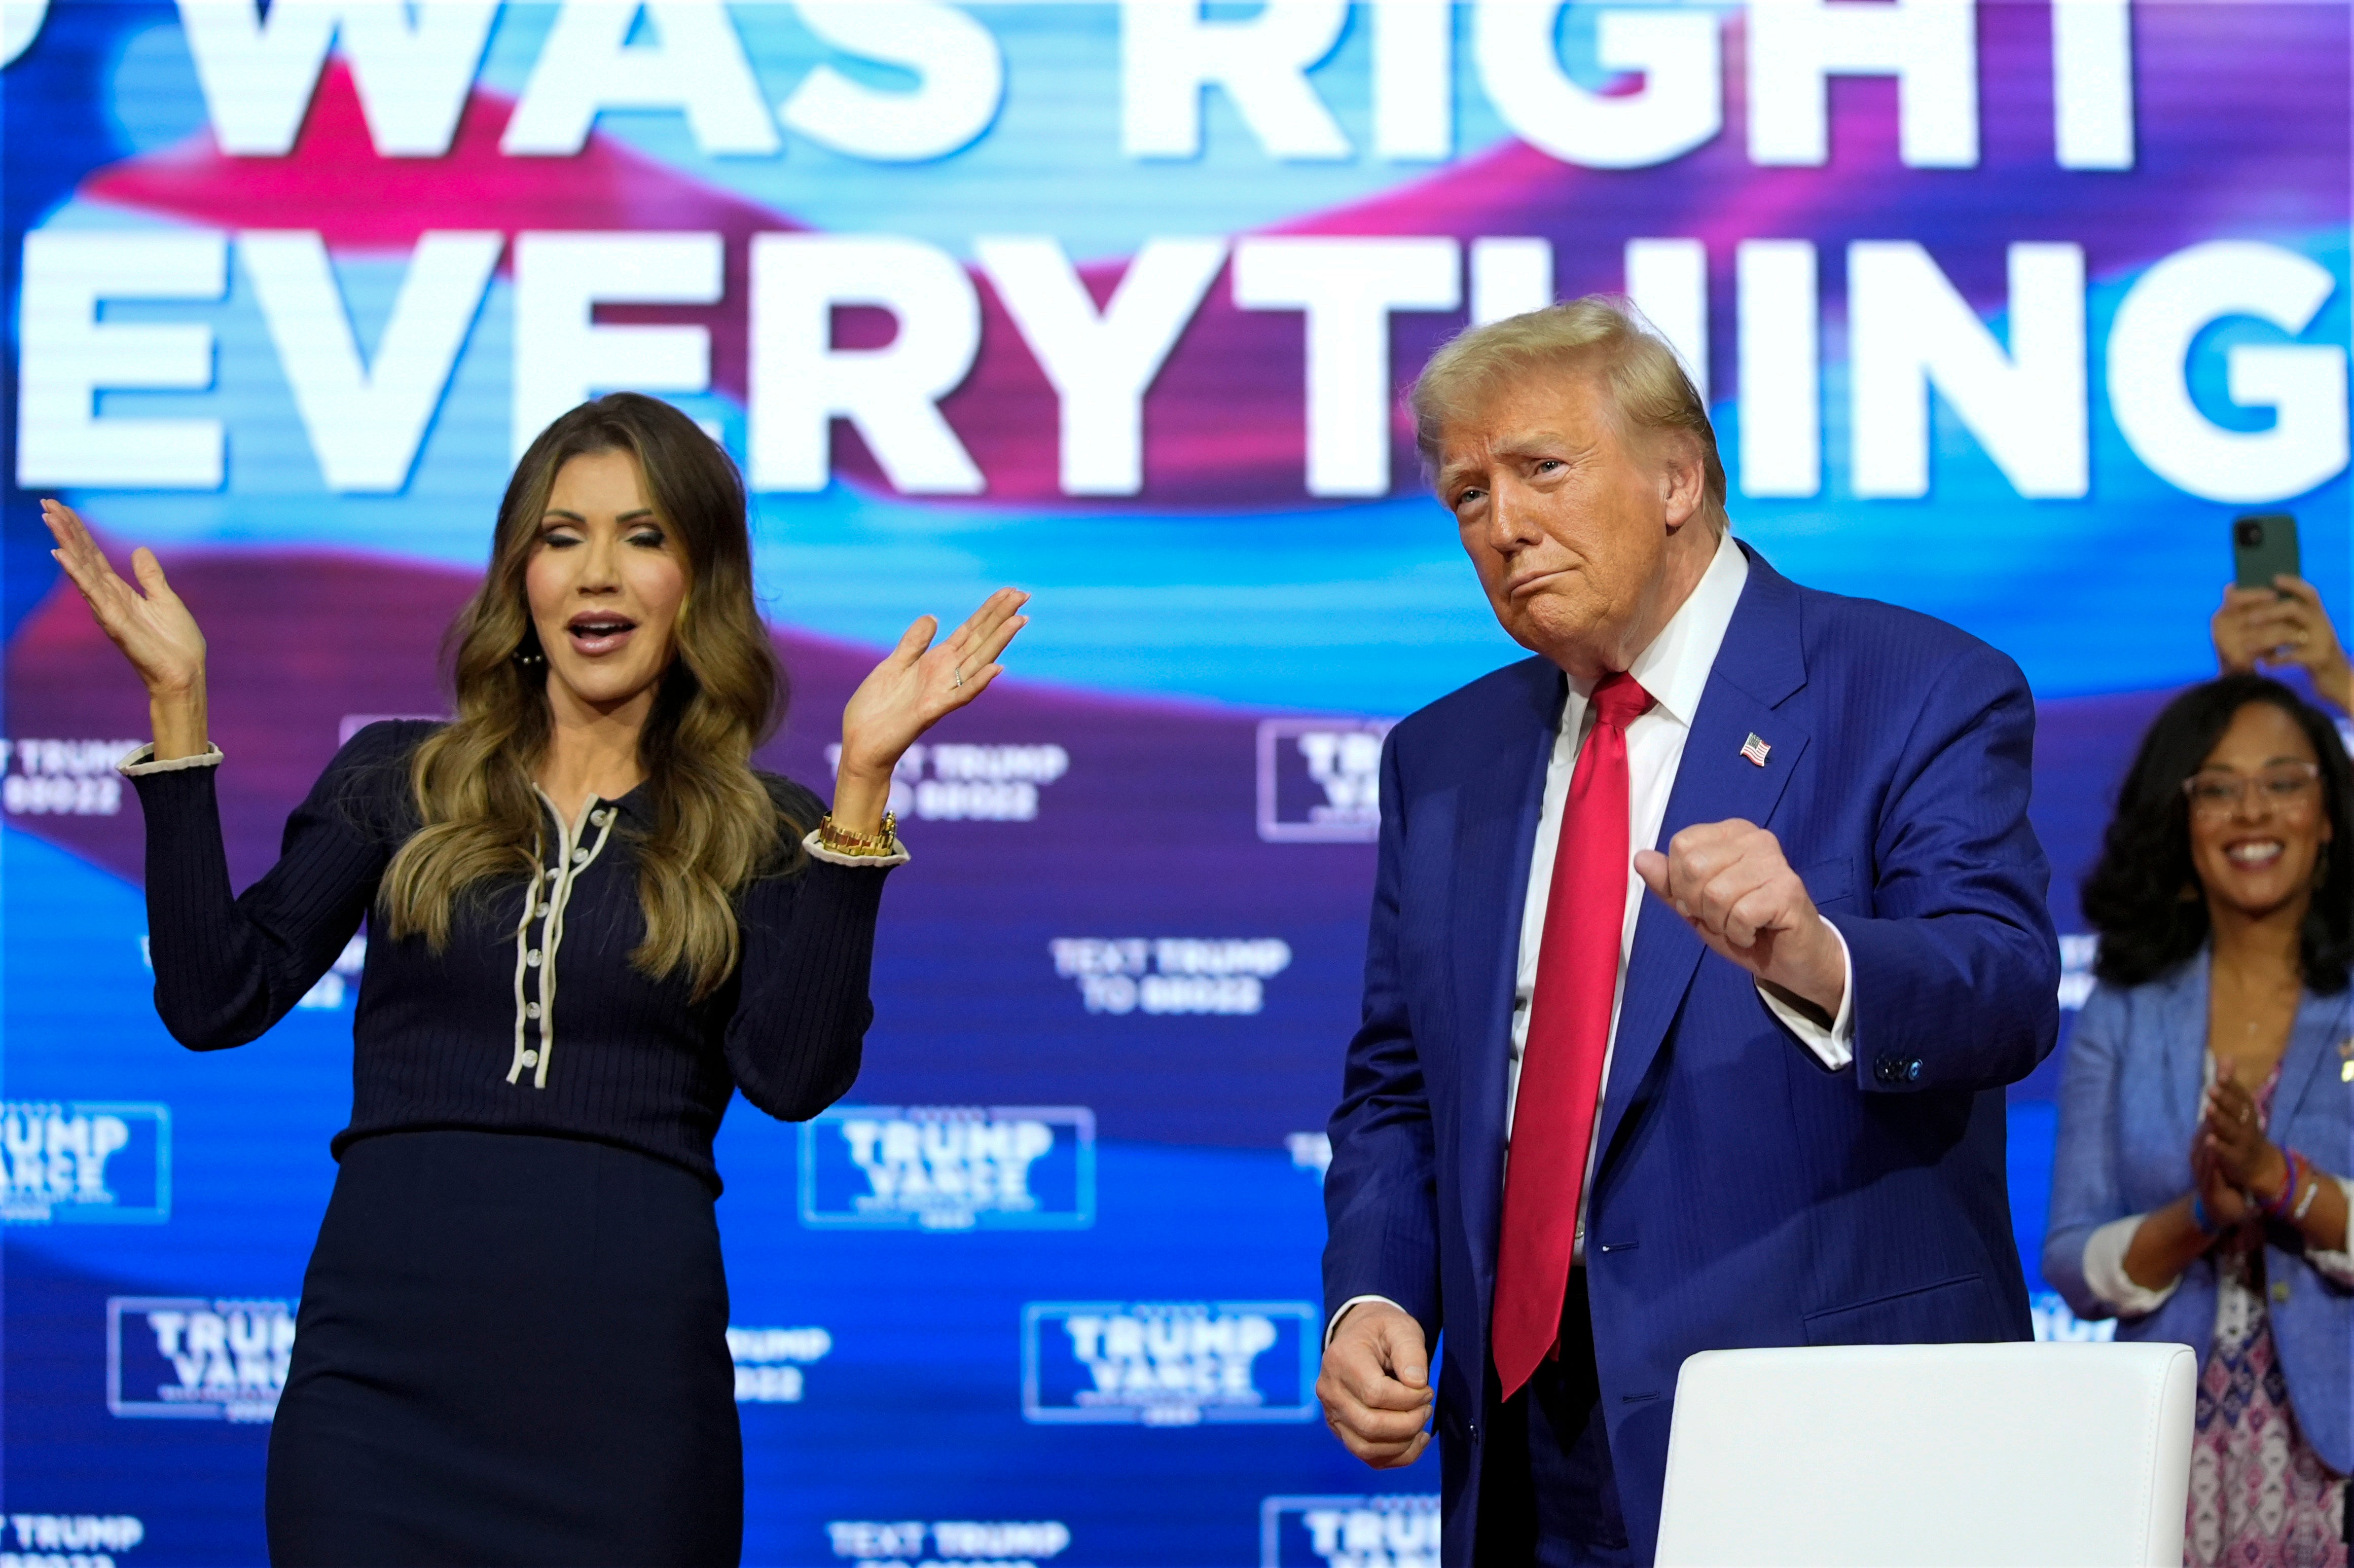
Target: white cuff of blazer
point(139, 764)
point(2337, 1266)
point(1834, 1047)
point(2105, 1276)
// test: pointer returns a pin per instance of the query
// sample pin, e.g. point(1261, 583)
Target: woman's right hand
point(2170, 1239)
point(152, 628)
point(149, 623)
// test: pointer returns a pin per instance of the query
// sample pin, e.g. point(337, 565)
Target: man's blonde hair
point(1602, 334)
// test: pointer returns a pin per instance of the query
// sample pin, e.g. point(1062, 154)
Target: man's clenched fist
point(1730, 883)
point(1377, 1386)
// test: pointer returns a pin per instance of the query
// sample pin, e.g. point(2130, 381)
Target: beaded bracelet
point(2299, 1175)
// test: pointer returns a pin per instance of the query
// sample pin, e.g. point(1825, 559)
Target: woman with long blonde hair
point(511, 1345)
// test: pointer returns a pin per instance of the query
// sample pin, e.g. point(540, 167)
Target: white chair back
point(2058, 1456)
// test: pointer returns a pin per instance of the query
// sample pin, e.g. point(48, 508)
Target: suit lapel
point(1495, 834)
point(2321, 1024)
point(1759, 666)
point(2186, 1039)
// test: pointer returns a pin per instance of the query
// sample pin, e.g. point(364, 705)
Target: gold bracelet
point(842, 841)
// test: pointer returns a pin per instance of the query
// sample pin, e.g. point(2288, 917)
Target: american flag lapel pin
point(1754, 749)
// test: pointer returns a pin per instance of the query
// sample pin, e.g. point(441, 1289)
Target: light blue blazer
point(2129, 1105)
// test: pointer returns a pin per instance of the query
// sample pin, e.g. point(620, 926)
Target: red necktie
point(1569, 1031)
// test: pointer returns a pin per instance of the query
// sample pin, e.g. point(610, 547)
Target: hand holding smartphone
point(2271, 617)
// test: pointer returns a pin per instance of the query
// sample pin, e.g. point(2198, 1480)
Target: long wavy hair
point(715, 824)
point(2144, 896)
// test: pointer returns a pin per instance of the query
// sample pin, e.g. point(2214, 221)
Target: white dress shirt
point(1675, 669)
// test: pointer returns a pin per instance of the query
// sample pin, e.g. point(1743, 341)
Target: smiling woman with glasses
point(2206, 1103)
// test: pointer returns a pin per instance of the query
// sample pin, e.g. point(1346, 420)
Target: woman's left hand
point(914, 687)
point(2234, 1133)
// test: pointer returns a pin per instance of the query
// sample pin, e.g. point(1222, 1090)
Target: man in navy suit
point(1613, 1104)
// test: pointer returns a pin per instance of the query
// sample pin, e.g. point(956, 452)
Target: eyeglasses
point(2283, 788)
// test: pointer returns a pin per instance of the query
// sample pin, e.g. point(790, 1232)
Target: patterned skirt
point(2260, 1497)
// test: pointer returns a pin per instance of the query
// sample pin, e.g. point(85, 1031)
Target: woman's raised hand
point(149, 623)
point(2280, 625)
point(916, 685)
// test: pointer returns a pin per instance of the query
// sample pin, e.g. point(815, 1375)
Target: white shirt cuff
point(2337, 1266)
point(2104, 1270)
point(1344, 1311)
point(864, 861)
point(1833, 1047)
point(137, 766)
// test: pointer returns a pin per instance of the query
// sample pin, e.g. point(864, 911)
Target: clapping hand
point(2232, 1135)
point(915, 686)
point(2226, 1206)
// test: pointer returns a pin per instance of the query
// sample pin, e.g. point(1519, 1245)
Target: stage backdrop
point(2004, 311)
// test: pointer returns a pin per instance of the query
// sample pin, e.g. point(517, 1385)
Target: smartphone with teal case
point(2263, 546)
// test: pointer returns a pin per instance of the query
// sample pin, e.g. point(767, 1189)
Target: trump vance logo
point(196, 1358)
point(1319, 780)
point(950, 1168)
point(84, 1161)
point(1161, 1363)
point(1399, 1530)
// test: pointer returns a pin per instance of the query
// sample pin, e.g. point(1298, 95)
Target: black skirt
point(511, 1348)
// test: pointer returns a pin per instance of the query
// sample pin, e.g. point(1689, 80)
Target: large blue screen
point(2004, 311)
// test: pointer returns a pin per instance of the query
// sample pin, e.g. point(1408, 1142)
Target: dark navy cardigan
point(480, 1035)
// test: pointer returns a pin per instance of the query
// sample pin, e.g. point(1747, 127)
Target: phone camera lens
point(2252, 535)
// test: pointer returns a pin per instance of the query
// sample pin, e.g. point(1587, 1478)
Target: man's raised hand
point(1730, 883)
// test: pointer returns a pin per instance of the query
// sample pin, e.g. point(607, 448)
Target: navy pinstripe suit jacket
point(1746, 1195)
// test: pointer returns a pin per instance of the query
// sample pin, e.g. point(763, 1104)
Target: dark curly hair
point(2133, 897)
